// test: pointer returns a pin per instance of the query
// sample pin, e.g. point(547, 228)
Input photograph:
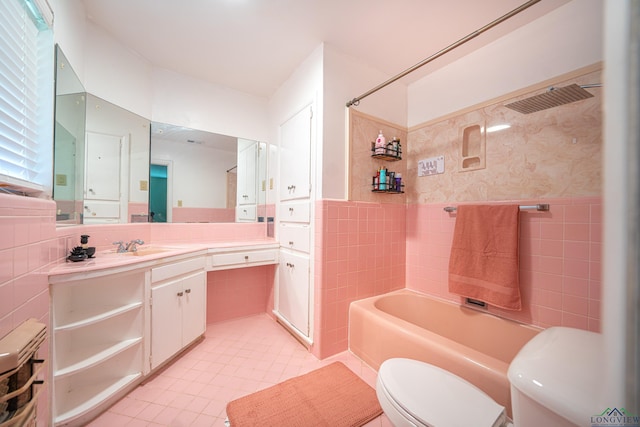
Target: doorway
point(158, 178)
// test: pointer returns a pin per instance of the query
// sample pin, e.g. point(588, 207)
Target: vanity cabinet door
point(194, 307)
point(178, 315)
point(166, 321)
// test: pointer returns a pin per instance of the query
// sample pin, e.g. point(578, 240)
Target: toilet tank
point(556, 379)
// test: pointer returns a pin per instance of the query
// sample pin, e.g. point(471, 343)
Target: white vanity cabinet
point(98, 349)
point(178, 307)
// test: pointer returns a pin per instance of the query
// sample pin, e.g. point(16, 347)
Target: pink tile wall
point(204, 215)
point(560, 260)
point(359, 252)
point(28, 245)
point(239, 292)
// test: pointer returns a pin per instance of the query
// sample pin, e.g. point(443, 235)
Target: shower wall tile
point(552, 153)
point(560, 278)
point(359, 252)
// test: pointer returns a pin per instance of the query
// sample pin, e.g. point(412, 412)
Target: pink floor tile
point(236, 358)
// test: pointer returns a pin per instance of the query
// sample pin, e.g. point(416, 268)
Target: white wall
point(193, 165)
point(304, 87)
point(69, 27)
point(113, 72)
point(564, 40)
point(186, 101)
point(345, 78)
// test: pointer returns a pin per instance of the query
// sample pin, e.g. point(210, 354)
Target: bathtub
point(474, 345)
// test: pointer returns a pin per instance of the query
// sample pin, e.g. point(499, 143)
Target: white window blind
point(26, 98)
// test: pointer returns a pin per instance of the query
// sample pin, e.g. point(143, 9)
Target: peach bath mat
point(331, 396)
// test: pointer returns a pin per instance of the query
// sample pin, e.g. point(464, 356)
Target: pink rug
point(331, 396)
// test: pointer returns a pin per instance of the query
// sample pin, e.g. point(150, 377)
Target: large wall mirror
point(113, 166)
point(101, 156)
point(199, 176)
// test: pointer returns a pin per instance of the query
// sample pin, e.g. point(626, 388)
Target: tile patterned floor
point(236, 358)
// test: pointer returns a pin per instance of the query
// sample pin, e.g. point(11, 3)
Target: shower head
point(554, 97)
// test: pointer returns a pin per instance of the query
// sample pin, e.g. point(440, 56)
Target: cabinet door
point(295, 156)
point(293, 290)
point(247, 181)
point(193, 307)
point(166, 321)
point(103, 167)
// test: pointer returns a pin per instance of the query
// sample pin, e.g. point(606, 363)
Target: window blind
point(26, 98)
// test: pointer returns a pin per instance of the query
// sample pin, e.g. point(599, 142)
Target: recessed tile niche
point(472, 156)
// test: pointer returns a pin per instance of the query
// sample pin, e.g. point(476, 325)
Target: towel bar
point(543, 207)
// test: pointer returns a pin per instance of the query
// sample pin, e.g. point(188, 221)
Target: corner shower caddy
point(390, 155)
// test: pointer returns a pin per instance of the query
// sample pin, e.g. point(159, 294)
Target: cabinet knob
point(188, 291)
point(180, 294)
point(290, 209)
point(290, 265)
point(290, 243)
point(246, 257)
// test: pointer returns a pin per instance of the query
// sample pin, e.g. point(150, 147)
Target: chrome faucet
point(121, 247)
point(131, 246)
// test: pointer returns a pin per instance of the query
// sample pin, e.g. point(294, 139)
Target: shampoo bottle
point(383, 179)
point(381, 143)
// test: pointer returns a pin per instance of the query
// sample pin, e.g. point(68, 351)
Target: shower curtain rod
point(356, 101)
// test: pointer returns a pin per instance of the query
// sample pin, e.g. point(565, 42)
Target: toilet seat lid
point(438, 397)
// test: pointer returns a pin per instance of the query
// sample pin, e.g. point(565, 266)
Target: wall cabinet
point(293, 301)
point(295, 156)
point(247, 189)
point(98, 343)
point(178, 315)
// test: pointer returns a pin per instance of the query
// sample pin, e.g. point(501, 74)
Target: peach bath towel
point(484, 255)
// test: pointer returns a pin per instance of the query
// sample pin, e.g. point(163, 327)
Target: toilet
point(549, 386)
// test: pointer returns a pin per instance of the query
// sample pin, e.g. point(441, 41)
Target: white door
point(293, 290)
point(247, 181)
point(295, 156)
point(102, 169)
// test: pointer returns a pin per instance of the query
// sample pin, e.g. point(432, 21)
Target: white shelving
point(98, 342)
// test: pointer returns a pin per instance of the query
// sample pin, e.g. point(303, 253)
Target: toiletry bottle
point(398, 178)
point(381, 143)
point(394, 146)
point(84, 241)
point(383, 179)
point(392, 181)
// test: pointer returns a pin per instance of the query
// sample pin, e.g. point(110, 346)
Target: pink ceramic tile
point(576, 287)
point(575, 305)
point(577, 213)
point(576, 268)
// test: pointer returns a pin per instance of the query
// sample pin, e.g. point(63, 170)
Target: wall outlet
point(179, 203)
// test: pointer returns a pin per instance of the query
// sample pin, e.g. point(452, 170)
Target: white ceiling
point(254, 45)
